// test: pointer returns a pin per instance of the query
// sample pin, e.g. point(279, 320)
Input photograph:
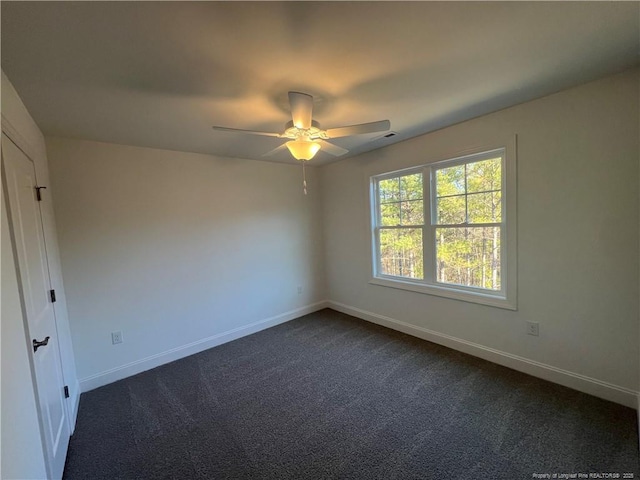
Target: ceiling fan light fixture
point(303, 149)
point(305, 134)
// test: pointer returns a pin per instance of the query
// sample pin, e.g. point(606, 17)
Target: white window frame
point(506, 297)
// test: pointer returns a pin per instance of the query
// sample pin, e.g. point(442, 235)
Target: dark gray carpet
point(331, 396)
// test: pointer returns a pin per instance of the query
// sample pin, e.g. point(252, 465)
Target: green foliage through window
point(401, 252)
point(469, 256)
point(470, 193)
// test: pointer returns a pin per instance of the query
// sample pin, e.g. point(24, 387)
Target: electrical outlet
point(533, 328)
point(299, 289)
point(116, 337)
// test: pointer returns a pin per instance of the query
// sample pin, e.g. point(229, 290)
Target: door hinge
point(52, 294)
point(38, 195)
point(66, 392)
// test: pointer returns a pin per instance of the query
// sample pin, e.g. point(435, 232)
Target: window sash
point(429, 237)
point(377, 220)
point(493, 291)
point(380, 258)
point(433, 168)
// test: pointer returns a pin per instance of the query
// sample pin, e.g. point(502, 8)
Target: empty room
point(313, 240)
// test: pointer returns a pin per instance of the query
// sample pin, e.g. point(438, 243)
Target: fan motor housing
point(291, 131)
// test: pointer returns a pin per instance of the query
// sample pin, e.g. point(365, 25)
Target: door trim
point(54, 442)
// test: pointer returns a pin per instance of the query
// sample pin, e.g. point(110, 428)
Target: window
point(442, 228)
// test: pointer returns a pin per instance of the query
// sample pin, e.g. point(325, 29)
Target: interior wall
point(577, 161)
point(178, 250)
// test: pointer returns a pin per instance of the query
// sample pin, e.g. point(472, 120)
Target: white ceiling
point(159, 74)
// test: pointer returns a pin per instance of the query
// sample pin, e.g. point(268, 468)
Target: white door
point(28, 238)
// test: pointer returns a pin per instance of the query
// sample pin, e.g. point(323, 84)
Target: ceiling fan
point(305, 136)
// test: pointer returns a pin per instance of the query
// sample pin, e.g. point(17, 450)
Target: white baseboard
point(133, 368)
point(553, 374)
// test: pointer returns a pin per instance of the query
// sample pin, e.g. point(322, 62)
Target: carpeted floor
point(331, 396)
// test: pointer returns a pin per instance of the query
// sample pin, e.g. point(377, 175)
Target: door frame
point(18, 125)
point(69, 421)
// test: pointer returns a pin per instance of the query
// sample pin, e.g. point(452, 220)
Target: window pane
point(401, 252)
point(389, 214)
point(451, 210)
point(484, 207)
point(484, 176)
point(389, 190)
point(412, 212)
point(468, 256)
point(450, 181)
point(411, 187)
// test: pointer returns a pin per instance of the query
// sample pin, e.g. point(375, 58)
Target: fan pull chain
point(304, 179)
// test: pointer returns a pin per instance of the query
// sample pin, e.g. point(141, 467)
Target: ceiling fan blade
point(238, 130)
point(379, 126)
point(275, 150)
point(301, 109)
point(332, 149)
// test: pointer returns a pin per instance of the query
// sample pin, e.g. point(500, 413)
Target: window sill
point(447, 292)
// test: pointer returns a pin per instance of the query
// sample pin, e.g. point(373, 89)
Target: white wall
point(178, 251)
point(577, 240)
